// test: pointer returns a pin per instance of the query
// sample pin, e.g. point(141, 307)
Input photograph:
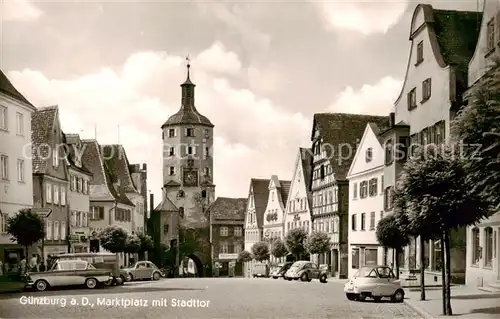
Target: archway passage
point(198, 264)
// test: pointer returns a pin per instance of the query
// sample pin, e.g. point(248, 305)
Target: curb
point(424, 314)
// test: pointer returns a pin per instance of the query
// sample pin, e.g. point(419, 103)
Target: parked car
point(280, 269)
point(375, 282)
point(305, 271)
point(260, 270)
point(143, 270)
point(68, 273)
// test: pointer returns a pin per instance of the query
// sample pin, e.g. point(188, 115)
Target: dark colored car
point(280, 270)
point(305, 271)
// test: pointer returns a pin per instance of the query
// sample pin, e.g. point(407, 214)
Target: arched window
point(488, 247)
point(476, 248)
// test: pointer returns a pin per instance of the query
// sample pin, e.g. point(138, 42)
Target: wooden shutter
point(101, 212)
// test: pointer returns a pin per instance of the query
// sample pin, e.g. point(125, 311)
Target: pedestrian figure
point(22, 266)
point(34, 263)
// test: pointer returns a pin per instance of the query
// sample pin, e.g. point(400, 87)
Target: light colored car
point(69, 273)
point(280, 270)
point(305, 271)
point(375, 282)
point(143, 270)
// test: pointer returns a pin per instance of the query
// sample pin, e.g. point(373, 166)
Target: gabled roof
point(225, 208)
point(118, 165)
point(72, 140)
point(371, 128)
point(92, 158)
point(166, 205)
point(42, 126)
point(306, 159)
point(343, 129)
point(260, 189)
point(7, 88)
point(284, 190)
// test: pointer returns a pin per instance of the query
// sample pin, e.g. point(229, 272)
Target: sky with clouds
point(262, 69)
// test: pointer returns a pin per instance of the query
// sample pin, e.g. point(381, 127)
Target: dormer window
point(369, 155)
point(420, 52)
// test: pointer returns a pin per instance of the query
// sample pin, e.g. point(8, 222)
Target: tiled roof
point(7, 88)
point(166, 205)
point(307, 168)
point(92, 159)
point(71, 140)
point(284, 190)
point(376, 131)
point(261, 196)
point(42, 125)
point(225, 208)
point(118, 165)
point(344, 129)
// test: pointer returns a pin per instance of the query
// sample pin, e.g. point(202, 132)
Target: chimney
point(144, 167)
point(392, 119)
point(151, 204)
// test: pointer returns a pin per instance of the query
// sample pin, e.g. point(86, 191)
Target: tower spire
point(188, 88)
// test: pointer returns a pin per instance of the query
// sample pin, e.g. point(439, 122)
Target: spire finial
point(188, 59)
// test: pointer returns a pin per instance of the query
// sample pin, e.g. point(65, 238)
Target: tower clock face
point(190, 178)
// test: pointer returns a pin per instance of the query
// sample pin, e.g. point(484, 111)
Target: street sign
point(42, 212)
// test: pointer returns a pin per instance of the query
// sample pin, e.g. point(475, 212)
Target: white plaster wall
point(475, 275)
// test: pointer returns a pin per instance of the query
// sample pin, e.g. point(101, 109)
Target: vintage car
point(280, 269)
point(305, 271)
point(260, 270)
point(143, 270)
point(68, 273)
point(375, 282)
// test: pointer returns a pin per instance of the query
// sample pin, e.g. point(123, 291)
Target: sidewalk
point(466, 302)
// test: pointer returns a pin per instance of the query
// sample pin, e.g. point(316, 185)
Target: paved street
point(223, 298)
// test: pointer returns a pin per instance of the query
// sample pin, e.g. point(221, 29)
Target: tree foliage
point(391, 231)
point(479, 123)
point(245, 256)
point(295, 241)
point(260, 251)
point(319, 243)
point(132, 244)
point(147, 243)
point(26, 227)
point(113, 239)
point(278, 248)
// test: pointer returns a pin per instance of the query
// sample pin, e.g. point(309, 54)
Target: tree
point(245, 256)
point(260, 251)
point(113, 239)
point(132, 244)
point(391, 234)
point(319, 243)
point(295, 242)
point(439, 197)
point(478, 124)
point(278, 248)
point(147, 243)
point(25, 228)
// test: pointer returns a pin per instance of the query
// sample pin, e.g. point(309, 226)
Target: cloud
point(253, 136)
point(377, 99)
point(367, 17)
point(19, 10)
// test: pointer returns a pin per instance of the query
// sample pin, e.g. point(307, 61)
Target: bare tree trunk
point(422, 268)
point(443, 274)
point(397, 251)
point(449, 311)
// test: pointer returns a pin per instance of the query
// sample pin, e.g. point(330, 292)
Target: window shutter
point(101, 213)
point(175, 132)
point(71, 183)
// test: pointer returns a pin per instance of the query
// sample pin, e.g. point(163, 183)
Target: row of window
point(188, 150)
point(4, 121)
point(79, 219)
point(322, 171)
point(4, 169)
point(227, 248)
point(328, 225)
point(362, 224)
point(325, 197)
point(367, 188)
point(368, 257)
point(271, 234)
point(123, 215)
point(297, 205)
point(172, 171)
point(304, 224)
point(426, 94)
point(188, 132)
point(252, 235)
point(483, 246)
point(79, 184)
point(55, 194)
point(55, 230)
point(237, 231)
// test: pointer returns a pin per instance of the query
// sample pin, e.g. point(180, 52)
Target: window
point(426, 89)
point(20, 170)
point(224, 248)
point(85, 186)
point(370, 257)
point(402, 149)
point(381, 184)
point(56, 194)
point(171, 132)
point(96, 213)
point(389, 156)
point(190, 150)
point(490, 35)
point(207, 171)
point(476, 247)
point(63, 195)
point(353, 222)
point(388, 198)
point(55, 157)
point(369, 154)
point(237, 248)
point(363, 189)
point(172, 170)
point(56, 230)
point(48, 193)
point(48, 229)
point(322, 172)
point(355, 258)
point(363, 221)
point(381, 214)
point(80, 184)
point(207, 134)
point(4, 163)
point(3, 118)
point(19, 123)
point(165, 229)
point(372, 187)
point(207, 152)
point(3, 223)
point(488, 247)
point(73, 183)
point(224, 231)
point(412, 99)
point(171, 151)
point(190, 132)
point(63, 230)
point(372, 221)
point(238, 231)
point(420, 52)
